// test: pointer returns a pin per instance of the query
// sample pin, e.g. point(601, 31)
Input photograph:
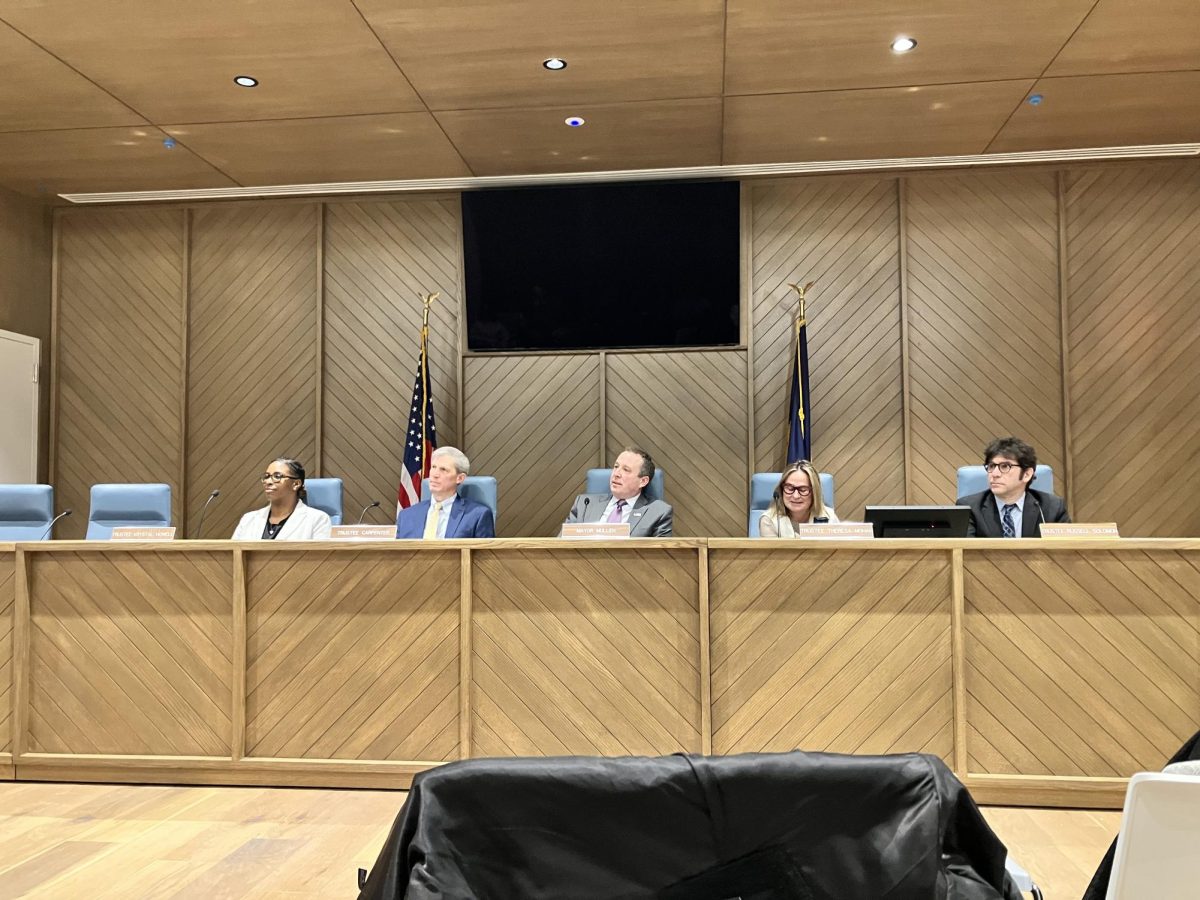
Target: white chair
point(1158, 849)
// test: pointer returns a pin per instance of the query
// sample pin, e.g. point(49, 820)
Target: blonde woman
point(797, 500)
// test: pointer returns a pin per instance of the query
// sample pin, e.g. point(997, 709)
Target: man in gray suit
point(1010, 507)
point(626, 503)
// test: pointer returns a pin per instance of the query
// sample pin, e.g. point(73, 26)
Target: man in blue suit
point(445, 514)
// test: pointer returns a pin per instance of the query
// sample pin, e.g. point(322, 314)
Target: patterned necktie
point(615, 515)
point(431, 522)
point(1007, 520)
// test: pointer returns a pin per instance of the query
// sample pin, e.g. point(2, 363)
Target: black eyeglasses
point(1002, 467)
point(275, 477)
point(802, 489)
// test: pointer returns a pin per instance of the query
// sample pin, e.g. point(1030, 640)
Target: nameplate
point(1080, 531)
point(363, 533)
point(595, 531)
point(141, 533)
point(835, 531)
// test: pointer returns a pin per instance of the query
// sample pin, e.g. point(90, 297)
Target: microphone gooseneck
point(211, 497)
point(50, 527)
point(369, 506)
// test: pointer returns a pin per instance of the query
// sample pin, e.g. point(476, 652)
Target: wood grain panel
point(119, 355)
point(688, 410)
point(352, 655)
point(1080, 664)
point(843, 235)
point(381, 259)
point(534, 424)
point(839, 650)
point(253, 353)
point(7, 602)
point(1134, 344)
point(592, 652)
point(984, 346)
point(130, 653)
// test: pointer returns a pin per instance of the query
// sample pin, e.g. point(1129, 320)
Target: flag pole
point(426, 303)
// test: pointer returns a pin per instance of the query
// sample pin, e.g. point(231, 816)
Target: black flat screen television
point(603, 266)
point(919, 521)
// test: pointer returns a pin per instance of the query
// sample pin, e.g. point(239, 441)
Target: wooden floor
point(211, 843)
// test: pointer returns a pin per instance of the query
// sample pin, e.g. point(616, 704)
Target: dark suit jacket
point(985, 513)
point(468, 519)
point(649, 518)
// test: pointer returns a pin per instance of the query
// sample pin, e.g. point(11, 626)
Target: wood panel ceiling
point(358, 90)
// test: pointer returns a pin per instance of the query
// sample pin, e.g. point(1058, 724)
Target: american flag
point(421, 439)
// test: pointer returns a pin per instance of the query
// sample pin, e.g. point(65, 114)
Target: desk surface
point(1043, 672)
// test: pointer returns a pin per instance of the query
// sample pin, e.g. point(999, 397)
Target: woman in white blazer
point(797, 499)
point(287, 518)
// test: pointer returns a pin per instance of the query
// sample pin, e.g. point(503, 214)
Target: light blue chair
point(26, 511)
point(115, 505)
point(480, 488)
point(762, 487)
point(597, 483)
point(325, 494)
point(973, 480)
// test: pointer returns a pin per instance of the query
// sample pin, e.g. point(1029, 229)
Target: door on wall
point(20, 358)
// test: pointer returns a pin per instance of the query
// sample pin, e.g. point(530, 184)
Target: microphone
point(61, 515)
point(371, 505)
point(583, 515)
point(211, 497)
point(820, 520)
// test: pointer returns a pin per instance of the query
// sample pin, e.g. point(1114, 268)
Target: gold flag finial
point(801, 293)
point(428, 302)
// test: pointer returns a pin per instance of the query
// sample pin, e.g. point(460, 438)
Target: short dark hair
point(1013, 448)
point(647, 469)
point(296, 470)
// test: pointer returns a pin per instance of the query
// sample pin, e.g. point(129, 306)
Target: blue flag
point(800, 409)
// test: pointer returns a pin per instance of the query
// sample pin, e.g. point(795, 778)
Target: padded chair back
point(26, 511)
point(480, 488)
point(597, 483)
point(973, 480)
point(325, 494)
point(1160, 830)
point(114, 505)
point(762, 488)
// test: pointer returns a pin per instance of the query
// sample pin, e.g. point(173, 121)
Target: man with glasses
point(1010, 507)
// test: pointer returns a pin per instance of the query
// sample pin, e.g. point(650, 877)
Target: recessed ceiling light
point(903, 44)
point(554, 63)
point(574, 121)
point(245, 81)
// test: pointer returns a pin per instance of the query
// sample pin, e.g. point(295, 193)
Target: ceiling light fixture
point(245, 81)
point(574, 121)
point(554, 63)
point(903, 44)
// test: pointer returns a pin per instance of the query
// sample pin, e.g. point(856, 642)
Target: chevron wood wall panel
point(7, 602)
point(1080, 663)
point(983, 284)
point(534, 424)
point(119, 355)
point(130, 653)
point(837, 650)
point(592, 652)
point(1134, 345)
point(252, 389)
point(843, 235)
point(688, 410)
point(380, 260)
point(352, 655)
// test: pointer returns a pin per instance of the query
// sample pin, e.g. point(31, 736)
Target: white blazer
point(781, 526)
point(304, 524)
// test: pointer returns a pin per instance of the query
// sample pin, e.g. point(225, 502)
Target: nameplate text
point(362, 532)
point(835, 531)
point(1080, 531)
point(595, 531)
point(142, 533)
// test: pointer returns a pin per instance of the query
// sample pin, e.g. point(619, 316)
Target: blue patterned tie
point(1009, 529)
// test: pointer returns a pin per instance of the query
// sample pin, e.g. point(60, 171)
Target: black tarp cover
point(788, 825)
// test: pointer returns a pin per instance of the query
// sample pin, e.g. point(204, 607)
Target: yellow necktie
point(431, 521)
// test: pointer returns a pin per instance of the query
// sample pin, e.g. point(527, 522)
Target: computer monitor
point(919, 521)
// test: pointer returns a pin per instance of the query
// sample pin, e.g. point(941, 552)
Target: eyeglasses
point(275, 477)
point(1002, 467)
point(802, 489)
